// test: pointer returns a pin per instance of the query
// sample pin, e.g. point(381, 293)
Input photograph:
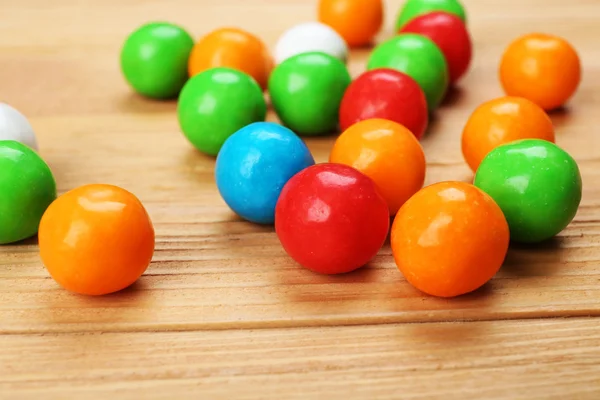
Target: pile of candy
point(448, 238)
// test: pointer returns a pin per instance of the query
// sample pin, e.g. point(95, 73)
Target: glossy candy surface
point(233, 48)
point(216, 103)
point(254, 165)
point(154, 59)
point(358, 21)
point(450, 34)
point(96, 239)
point(542, 68)
point(309, 37)
point(536, 184)
point(418, 57)
point(14, 126)
point(415, 8)
point(27, 187)
point(388, 94)
point(449, 239)
point(386, 152)
point(306, 91)
point(500, 121)
point(331, 219)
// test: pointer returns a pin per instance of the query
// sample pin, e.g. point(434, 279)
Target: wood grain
point(222, 310)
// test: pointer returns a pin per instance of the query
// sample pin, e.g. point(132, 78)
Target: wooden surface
point(222, 312)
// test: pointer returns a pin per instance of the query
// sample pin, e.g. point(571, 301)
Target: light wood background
point(222, 312)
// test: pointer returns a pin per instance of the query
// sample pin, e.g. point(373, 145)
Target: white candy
point(14, 126)
point(310, 36)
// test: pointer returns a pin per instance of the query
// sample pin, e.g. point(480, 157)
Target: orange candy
point(233, 48)
point(357, 21)
point(542, 68)
point(388, 153)
point(449, 239)
point(500, 121)
point(96, 239)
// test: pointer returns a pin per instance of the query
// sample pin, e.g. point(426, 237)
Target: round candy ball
point(536, 184)
point(418, 57)
point(388, 94)
point(96, 239)
point(27, 188)
point(233, 48)
point(154, 59)
point(331, 219)
point(503, 120)
point(416, 8)
point(450, 34)
point(542, 68)
point(310, 37)
point(386, 152)
point(449, 239)
point(215, 104)
point(14, 126)
point(254, 165)
point(358, 21)
point(306, 91)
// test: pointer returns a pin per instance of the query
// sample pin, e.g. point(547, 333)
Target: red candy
point(385, 94)
point(450, 34)
point(331, 219)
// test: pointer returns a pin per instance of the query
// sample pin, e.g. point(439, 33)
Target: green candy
point(215, 104)
point(154, 59)
point(418, 57)
point(27, 188)
point(536, 184)
point(415, 8)
point(306, 91)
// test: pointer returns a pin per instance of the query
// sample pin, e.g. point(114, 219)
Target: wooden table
point(222, 312)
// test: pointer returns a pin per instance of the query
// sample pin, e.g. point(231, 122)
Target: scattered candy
point(542, 68)
point(415, 8)
point(331, 219)
point(253, 166)
point(503, 120)
point(420, 58)
point(306, 91)
point(386, 152)
point(27, 187)
point(449, 33)
point(233, 48)
point(358, 21)
point(536, 184)
point(449, 239)
point(154, 59)
point(388, 94)
point(14, 126)
point(216, 103)
point(310, 37)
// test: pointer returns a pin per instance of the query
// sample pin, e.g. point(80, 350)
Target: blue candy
point(253, 166)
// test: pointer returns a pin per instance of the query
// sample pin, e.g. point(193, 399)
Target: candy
point(216, 103)
point(27, 187)
point(96, 239)
point(386, 152)
point(503, 120)
point(306, 91)
point(542, 68)
point(358, 21)
point(388, 94)
point(14, 126)
point(310, 37)
point(536, 184)
point(418, 57)
point(415, 8)
point(331, 219)
point(449, 33)
point(233, 48)
point(154, 59)
point(253, 166)
point(449, 239)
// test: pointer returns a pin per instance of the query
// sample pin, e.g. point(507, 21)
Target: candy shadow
point(454, 96)
point(137, 104)
point(534, 259)
point(560, 116)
